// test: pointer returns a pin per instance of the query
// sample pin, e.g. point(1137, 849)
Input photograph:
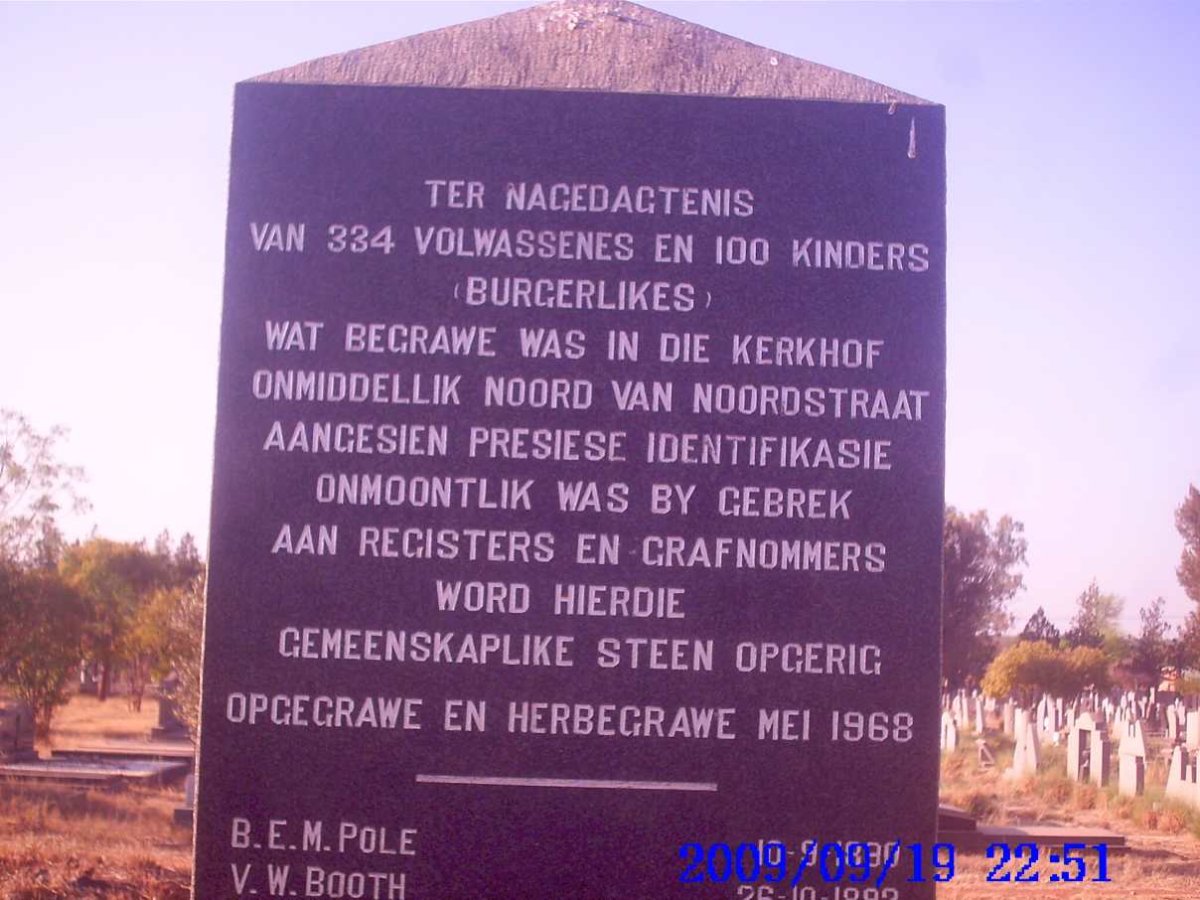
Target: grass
point(86, 719)
point(58, 842)
point(61, 842)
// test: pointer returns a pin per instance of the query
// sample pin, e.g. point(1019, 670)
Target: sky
point(1073, 140)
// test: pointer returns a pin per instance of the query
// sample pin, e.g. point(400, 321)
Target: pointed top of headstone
point(591, 45)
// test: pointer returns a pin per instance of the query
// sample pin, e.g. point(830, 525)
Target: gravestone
point(1099, 757)
point(1079, 748)
point(1183, 779)
point(578, 473)
point(949, 741)
point(980, 720)
point(1007, 718)
point(1191, 736)
point(962, 714)
point(1043, 717)
point(987, 759)
point(16, 732)
point(1131, 762)
point(1026, 752)
point(1172, 724)
point(168, 727)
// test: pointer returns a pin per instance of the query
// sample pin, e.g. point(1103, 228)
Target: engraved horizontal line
point(593, 784)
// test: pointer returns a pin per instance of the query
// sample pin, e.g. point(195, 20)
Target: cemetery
point(579, 521)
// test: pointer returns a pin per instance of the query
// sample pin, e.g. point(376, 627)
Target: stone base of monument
point(953, 819)
point(159, 751)
point(107, 764)
point(90, 773)
point(958, 827)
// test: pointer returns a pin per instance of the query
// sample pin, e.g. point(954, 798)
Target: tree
point(1084, 667)
point(1096, 621)
point(34, 486)
point(1029, 668)
point(1040, 628)
point(126, 586)
point(1024, 669)
point(1152, 647)
point(184, 623)
point(1187, 521)
point(41, 627)
point(978, 580)
point(115, 579)
point(1185, 649)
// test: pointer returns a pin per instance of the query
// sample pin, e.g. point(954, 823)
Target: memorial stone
point(16, 732)
point(1182, 777)
point(959, 708)
point(1026, 753)
point(987, 759)
point(1131, 762)
point(1099, 758)
point(1191, 738)
point(949, 740)
point(578, 474)
point(1079, 748)
point(168, 727)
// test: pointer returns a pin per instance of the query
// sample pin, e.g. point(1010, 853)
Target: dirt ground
point(81, 844)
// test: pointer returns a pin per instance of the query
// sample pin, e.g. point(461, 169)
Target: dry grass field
point(64, 842)
point(1163, 857)
point(86, 719)
point(71, 843)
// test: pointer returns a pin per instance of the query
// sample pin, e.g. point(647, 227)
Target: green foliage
point(1083, 667)
point(1040, 628)
point(41, 627)
point(182, 627)
point(979, 577)
point(1022, 669)
point(1187, 521)
point(1184, 652)
point(1152, 647)
point(124, 585)
point(34, 486)
point(1029, 668)
point(1096, 621)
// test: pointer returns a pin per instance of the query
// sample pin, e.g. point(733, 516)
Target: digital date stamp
point(868, 870)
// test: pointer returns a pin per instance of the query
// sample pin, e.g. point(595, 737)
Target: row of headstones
point(1053, 717)
point(1089, 756)
point(1089, 741)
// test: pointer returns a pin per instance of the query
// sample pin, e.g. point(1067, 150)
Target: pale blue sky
point(1074, 221)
